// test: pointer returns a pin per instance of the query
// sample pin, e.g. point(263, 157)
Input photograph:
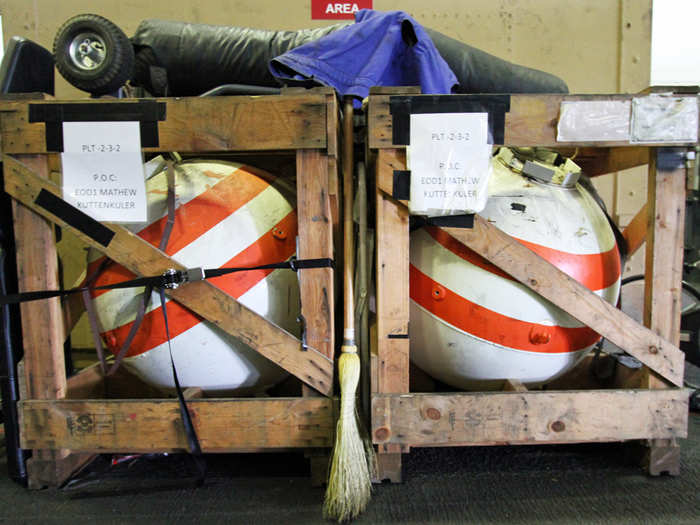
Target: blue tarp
point(379, 49)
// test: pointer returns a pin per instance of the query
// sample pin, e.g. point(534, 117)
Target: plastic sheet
point(594, 120)
point(664, 118)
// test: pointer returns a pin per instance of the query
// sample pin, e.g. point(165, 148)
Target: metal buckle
point(172, 278)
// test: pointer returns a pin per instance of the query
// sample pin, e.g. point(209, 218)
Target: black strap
point(291, 264)
point(192, 440)
point(146, 297)
point(170, 279)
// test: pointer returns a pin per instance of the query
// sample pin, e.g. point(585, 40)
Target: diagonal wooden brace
point(203, 298)
point(571, 296)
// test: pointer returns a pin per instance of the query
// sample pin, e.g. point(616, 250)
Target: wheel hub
point(87, 51)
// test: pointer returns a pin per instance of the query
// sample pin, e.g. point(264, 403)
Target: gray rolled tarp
point(183, 59)
point(199, 57)
point(481, 72)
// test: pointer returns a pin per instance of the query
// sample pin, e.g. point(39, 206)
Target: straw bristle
point(349, 483)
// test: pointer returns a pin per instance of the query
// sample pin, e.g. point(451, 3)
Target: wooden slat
point(636, 231)
point(568, 294)
point(532, 121)
point(37, 269)
point(42, 327)
point(514, 385)
point(392, 288)
point(52, 468)
point(387, 161)
point(201, 124)
point(529, 417)
point(89, 383)
point(193, 392)
point(315, 241)
point(663, 273)
point(203, 298)
point(392, 362)
point(600, 161)
point(222, 425)
point(663, 270)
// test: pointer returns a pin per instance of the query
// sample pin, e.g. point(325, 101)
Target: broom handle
point(348, 229)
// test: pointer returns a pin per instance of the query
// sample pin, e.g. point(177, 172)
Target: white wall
point(675, 43)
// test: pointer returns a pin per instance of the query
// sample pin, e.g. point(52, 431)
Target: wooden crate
point(66, 420)
point(649, 404)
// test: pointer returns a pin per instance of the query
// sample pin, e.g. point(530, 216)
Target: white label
point(594, 120)
point(449, 158)
point(664, 118)
point(103, 170)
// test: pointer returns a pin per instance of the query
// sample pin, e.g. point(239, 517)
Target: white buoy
point(471, 325)
point(227, 215)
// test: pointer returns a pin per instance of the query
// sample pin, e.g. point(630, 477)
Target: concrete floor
point(530, 484)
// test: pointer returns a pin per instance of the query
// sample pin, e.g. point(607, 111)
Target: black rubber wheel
point(93, 54)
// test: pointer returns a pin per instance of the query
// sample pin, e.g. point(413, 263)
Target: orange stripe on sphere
point(266, 249)
point(595, 271)
point(492, 326)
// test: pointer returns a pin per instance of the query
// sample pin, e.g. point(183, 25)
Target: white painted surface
point(675, 47)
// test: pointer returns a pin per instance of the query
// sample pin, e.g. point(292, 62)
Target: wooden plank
point(529, 417)
point(318, 466)
point(636, 231)
point(394, 90)
point(201, 124)
point(203, 298)
point(392, 362)
point(392, 287)
point(42, 321)
point(663, 457)
point(52, 468)
point(89, 383)
point(42, 325)
point(143, 426)
point(531, 121)
point(388, 468)
point(600, 161)
point(315, 241)
point(568, 294)
point(387, 161)
point(193, 392)
point(663, 273)
point(514, 385)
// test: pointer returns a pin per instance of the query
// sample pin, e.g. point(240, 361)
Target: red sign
point(328, 10)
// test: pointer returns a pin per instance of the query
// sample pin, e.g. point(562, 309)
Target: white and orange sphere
point(473, 326)
point(227, 215)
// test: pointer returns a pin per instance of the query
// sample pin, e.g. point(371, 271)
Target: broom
point(349, 482)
